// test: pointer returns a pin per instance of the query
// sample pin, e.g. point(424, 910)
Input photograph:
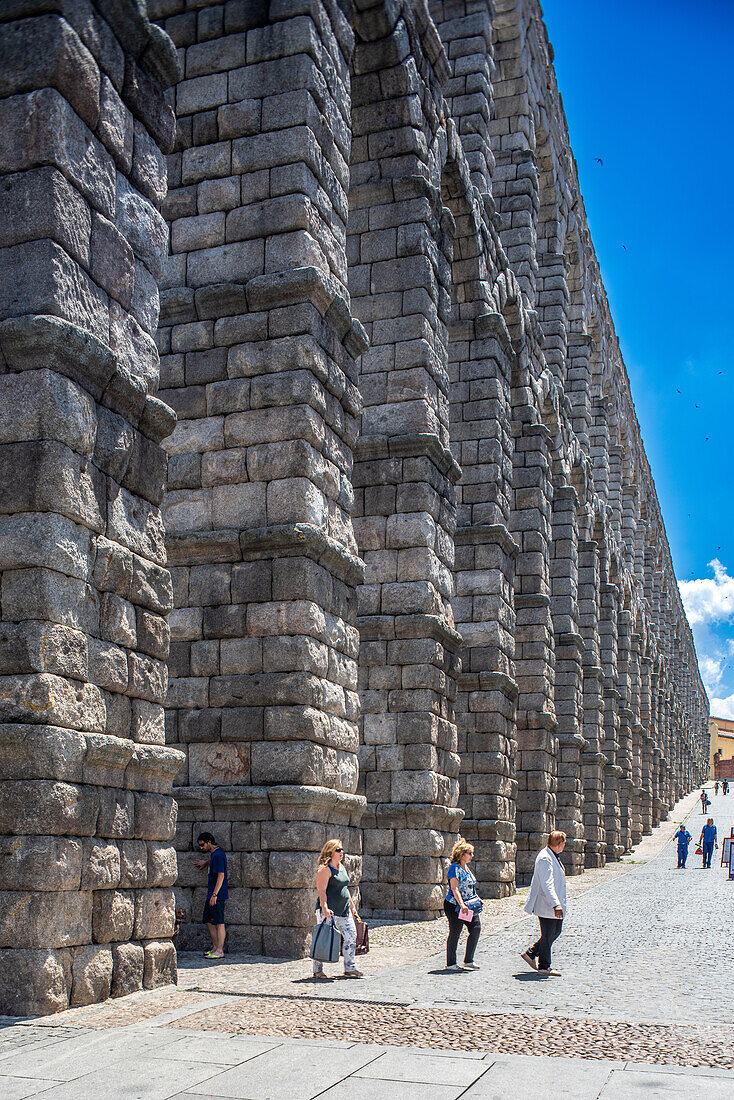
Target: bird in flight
point(599, 161)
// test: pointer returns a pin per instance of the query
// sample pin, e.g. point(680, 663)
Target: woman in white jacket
point(547, 899)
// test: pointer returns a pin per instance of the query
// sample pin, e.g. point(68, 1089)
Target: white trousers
point(349, 941)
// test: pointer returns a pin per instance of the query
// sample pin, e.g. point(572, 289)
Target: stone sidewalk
point(153, 1062)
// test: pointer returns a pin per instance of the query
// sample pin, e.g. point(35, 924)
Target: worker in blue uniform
point(684, 839)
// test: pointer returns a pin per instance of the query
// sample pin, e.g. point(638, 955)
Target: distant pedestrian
point(217, 892)
point(704, 800)
point(335, 903)
point(547, 899)
point(708, 841)
point(725, 786)
point(716, 787)
point(684, 838)
point(462, 900)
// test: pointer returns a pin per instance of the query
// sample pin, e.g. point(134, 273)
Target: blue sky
point(647, 87)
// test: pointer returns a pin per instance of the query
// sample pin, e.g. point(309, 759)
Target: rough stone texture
point(520, 658)
point(83, 586)
point(418, 570)
point(259, 359)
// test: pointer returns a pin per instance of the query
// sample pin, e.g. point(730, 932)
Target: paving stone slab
point(404, 1065)
point(572, 1079)
point(74, 1057)
point(144, 1078)
point(19, 1088)
point(362, 1088)
point(224, 1050)
point(286, 1073)
point(629, 1085)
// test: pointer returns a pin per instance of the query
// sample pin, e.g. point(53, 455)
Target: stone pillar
point(405, 474)
point(657, 752)
point(87, 820)
point(485, 559)
point(626, 718)
point(610, 744)
point(483, 603)
point(638, 736)
point(569, 647)
point(536, 720)
point(552, 305)
point(648, 745)
point(260, 363)
point(592, 759)
point(599, 445)
point(579, 385)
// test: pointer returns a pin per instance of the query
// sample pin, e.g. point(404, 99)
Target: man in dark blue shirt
point(708, 840)
point(216, 893)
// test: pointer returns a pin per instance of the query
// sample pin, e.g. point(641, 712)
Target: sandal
point(321, 977)
point(353, 974)
point(211, 955)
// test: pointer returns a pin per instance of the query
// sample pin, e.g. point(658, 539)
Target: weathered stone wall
point(259, 360)
point(385, 193)
point(87, 821)
point(419, 573)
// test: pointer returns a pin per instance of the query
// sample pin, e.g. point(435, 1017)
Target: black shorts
point(213, 914)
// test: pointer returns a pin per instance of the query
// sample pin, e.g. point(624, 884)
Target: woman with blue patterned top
point(461, 898)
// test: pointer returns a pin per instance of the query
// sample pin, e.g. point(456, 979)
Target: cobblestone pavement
point(395, 947)
point(647, 980)
point(651, 946)
point(458, 1029)
point(642, 941)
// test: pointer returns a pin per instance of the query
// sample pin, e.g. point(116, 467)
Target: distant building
point(721, 731)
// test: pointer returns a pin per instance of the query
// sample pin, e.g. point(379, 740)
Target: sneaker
point(455, 966)
point(471, 966)
point(549, 973)
point(528, 958)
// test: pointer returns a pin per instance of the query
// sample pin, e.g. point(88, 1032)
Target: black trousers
point(474, 927)
point(550, 930)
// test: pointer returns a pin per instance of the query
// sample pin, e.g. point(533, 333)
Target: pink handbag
point(466, 914)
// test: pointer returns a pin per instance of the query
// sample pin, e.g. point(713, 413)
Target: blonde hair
point(328, 851)
point(460, 849)
point(556, 837)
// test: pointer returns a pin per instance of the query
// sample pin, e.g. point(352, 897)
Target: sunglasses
point(338, 849)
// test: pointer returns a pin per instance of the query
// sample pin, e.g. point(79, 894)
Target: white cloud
point(709, 600)
point(723, 708)
point(711, 671)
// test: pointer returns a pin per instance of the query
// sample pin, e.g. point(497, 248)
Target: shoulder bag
point(363, 936)
point(326, 942)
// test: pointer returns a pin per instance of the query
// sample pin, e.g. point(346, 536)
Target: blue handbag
point(475, 904)
point(326, 942)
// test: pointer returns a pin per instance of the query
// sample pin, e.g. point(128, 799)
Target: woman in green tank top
point(335, 901)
